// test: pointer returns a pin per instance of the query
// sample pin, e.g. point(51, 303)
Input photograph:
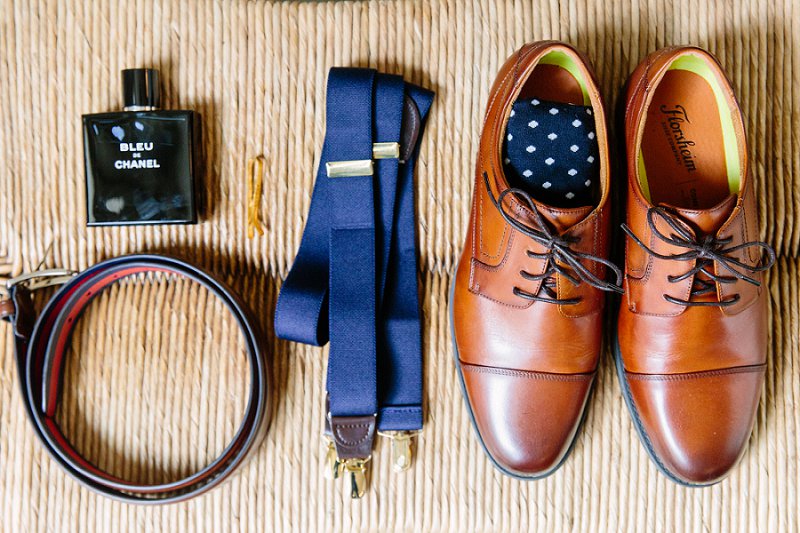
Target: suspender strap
point(352, 364)
point(354, 280)
point(400, 367)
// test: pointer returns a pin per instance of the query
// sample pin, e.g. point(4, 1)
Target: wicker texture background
point(157, 387)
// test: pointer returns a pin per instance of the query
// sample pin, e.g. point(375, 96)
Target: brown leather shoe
point(691, 347)
point(527, 299)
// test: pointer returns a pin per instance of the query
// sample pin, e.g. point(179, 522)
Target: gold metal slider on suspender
point(386, 151)
point(363, 167)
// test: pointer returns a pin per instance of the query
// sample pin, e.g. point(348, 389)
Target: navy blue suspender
point(354, 281)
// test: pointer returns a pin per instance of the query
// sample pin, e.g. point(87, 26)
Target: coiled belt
point(40, 350)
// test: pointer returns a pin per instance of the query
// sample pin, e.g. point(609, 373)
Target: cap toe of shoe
point(697, 425)
point(526, 420)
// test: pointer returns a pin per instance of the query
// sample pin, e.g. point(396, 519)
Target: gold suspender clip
point(357, 468)
point(336, 468)
point(333, 467)
point(402, 448)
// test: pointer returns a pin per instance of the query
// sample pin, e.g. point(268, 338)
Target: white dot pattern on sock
point(551, 148)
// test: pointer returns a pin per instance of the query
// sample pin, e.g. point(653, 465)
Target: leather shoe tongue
point(561, 219)
point(707, 221)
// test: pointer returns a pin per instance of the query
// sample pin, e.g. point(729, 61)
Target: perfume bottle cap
point(140, 89)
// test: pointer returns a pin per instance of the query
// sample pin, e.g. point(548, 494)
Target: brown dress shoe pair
point(528, 296)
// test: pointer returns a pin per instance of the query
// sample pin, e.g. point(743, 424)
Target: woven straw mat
point(156, 378)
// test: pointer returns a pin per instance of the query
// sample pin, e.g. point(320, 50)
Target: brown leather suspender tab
point(353, 435)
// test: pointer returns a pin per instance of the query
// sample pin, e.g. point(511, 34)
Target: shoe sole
point(497, 465)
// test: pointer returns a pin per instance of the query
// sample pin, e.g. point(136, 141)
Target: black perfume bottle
point(140, 162)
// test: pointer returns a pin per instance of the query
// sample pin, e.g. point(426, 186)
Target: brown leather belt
point(40, 350)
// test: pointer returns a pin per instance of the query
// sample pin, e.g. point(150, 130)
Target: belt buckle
point(40, 279)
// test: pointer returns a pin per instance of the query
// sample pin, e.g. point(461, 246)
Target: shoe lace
point(705, 251)
point(557, 251)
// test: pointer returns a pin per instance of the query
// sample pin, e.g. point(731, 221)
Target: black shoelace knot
point(705, 252)
point(559, 257)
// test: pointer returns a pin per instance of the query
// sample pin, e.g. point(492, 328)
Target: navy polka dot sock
point(550, 151)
